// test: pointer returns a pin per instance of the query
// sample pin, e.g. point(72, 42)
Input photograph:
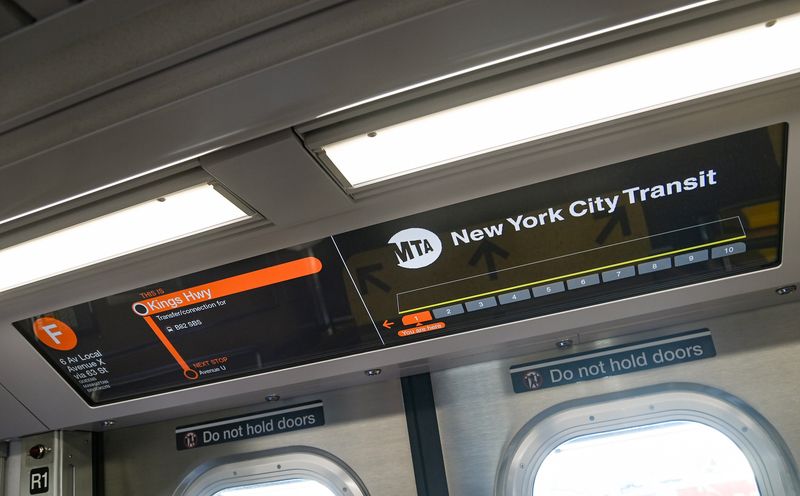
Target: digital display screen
point(696, 213)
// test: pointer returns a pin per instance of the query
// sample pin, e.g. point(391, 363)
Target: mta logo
point(416, 248)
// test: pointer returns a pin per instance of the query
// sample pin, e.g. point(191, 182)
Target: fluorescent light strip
point(685, 72)
point(178, 215)
point(105, 186)
point(515, 56)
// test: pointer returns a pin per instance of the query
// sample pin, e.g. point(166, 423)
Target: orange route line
point(168, 345)
point(225, 287)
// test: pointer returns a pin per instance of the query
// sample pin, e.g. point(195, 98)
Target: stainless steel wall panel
point(479, 413)
point(365, 427)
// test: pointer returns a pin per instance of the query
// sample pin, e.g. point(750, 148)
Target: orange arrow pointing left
point(387, 324)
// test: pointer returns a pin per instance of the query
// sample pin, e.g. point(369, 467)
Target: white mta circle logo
point(416, 248)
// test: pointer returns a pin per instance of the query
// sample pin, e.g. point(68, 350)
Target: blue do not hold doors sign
point(616, 360)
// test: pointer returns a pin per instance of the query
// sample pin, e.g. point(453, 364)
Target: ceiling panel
point(12, 18)
point(97, 46)
point(44, 8)
point(342, 70)
point(299, 190)
point(15, 419)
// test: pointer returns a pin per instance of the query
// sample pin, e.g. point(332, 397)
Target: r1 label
point(40, 480)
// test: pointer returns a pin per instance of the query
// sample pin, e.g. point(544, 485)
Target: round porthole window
point(673, 440)
point(300, 471)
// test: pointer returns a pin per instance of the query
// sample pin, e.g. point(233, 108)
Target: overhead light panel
point(526, 53)
point(102, 188)
point(658, 79)
point(184, 213)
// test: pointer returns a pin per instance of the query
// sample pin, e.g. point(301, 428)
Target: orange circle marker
point(191, 374)
point(55, 334)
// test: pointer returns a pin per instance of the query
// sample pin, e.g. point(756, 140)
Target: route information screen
point(271, 311)
point(692, 214)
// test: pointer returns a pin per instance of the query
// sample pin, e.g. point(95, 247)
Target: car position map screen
point(692, 214)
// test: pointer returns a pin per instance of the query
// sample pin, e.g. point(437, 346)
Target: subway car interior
point(428, 247)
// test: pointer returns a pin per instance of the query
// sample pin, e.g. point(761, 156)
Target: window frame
point(259, 467)
point(772, 463)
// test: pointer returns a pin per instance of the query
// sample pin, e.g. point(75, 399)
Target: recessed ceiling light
point(520, 55)
point(719, 63)
point(103, 187)
point(155, 222)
